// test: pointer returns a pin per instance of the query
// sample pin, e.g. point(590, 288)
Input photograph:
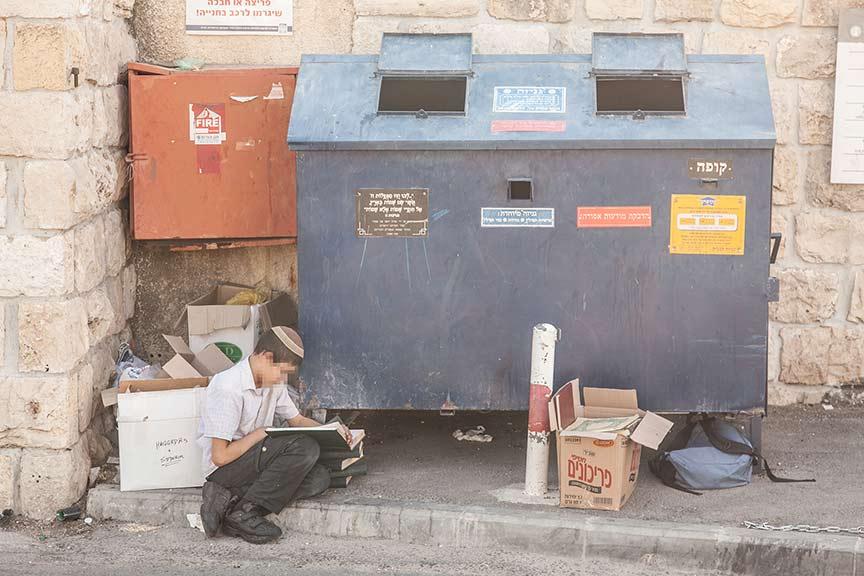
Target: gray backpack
point(709, 454)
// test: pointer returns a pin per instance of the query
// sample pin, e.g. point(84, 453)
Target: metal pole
point(542, 373)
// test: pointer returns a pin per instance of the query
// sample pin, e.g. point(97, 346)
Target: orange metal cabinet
point(209, 153)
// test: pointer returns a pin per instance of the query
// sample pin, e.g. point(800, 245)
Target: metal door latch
point(133, 157)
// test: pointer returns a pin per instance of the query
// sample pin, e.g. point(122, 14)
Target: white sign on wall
point(847, 151)
point(240, 17)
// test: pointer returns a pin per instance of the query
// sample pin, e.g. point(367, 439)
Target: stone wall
point(66, 287)
point(817, 330)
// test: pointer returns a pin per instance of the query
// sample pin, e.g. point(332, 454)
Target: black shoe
point(247, 521)
point(216, 501)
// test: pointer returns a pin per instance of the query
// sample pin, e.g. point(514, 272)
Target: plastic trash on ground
point(477, 434)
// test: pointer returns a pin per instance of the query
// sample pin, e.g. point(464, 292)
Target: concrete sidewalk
point(412, 457)
point(424, 486)
point(580, 536)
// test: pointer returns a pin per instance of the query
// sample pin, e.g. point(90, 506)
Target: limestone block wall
point(66, 287)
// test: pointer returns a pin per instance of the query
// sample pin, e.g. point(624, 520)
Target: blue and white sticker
point(517, 217)
point(530, 99)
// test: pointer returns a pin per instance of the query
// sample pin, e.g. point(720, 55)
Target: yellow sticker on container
point(707, 224)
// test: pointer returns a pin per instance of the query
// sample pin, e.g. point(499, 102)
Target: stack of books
point(344, 459)
point(345, 463)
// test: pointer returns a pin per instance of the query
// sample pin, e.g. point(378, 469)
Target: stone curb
point(735, 550)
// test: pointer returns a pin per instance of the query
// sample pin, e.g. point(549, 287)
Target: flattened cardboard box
point(599, 471)
point(234, 328)
point(184, 370)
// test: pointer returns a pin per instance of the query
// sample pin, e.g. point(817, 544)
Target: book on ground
point(357, 452)
point(337, 465)
point(329, 436)
point(358, 469)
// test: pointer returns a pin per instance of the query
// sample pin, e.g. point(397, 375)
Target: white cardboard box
point(234, 329)
point(158, 432)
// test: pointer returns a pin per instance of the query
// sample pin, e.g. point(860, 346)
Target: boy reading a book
point(249, 474)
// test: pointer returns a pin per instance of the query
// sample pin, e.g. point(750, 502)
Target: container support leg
point(756, 438)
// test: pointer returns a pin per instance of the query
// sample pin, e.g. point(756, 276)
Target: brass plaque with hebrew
point(699, 169)
point(392, 212)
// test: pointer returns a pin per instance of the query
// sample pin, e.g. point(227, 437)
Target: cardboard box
point(599, 470)
point(208, 361)
point(158, 419)
point(234, 329)
point(157, 434)
point(184, 370)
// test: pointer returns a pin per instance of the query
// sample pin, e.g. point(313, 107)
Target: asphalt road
point(118, 549)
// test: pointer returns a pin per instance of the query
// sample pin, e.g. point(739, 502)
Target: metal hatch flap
point(638, 53)
point(425, 54)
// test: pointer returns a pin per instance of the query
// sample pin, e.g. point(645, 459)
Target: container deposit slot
point(648, 94)
point(415, 94)
point(639, 74)
point(520, 189)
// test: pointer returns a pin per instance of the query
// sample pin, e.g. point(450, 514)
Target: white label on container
point(530, 99)
point(277, 92)
point(517, 217)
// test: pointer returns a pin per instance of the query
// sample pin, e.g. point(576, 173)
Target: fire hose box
point(448, 202)
point(208, 153)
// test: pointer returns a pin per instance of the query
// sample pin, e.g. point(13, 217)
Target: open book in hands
point(332, 436)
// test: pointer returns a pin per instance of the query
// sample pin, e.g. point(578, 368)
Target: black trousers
point(275, 471)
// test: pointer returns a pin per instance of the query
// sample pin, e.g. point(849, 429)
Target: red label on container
point(613, 217)
point(528, 126)
point(208, 159)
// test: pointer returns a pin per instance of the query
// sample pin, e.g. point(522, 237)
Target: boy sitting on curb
point(250, 475)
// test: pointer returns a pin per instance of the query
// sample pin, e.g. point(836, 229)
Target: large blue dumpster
point(448, 202)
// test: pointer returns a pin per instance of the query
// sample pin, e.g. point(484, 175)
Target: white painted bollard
point(542, 373)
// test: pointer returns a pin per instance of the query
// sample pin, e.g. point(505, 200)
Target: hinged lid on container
point(640, 54)
point(425, 54)
point(428, 92)
point(423, 74)
point(639, 74)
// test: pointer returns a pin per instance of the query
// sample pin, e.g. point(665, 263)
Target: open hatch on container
point(639, 74)
point(428, 77)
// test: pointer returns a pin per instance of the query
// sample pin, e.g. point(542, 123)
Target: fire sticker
point(207, 124)
point(707, 224)
point(207, 130)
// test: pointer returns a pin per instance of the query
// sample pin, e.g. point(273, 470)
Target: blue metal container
point(624, 197)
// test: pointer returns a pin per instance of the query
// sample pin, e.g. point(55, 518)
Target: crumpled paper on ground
point(195, 521)
point(476, 434)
